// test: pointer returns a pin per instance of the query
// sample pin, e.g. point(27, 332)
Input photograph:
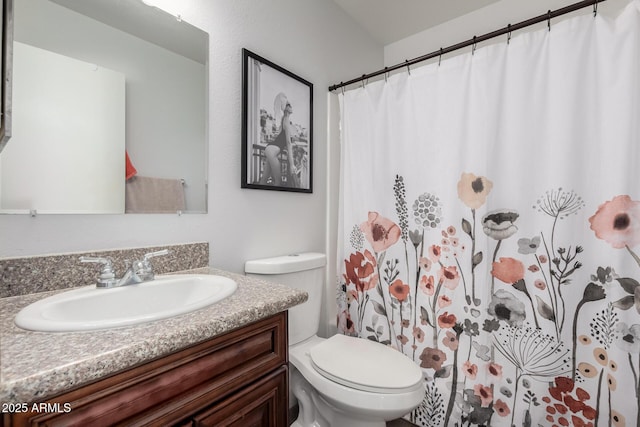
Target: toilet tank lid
point(286, 263)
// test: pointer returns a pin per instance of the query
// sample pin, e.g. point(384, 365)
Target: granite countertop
point(36, 365)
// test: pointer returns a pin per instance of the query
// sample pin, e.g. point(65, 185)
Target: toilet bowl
point(339, 381)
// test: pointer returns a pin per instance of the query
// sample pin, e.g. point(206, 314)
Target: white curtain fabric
point(490, 226)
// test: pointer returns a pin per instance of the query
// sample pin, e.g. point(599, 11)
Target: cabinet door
point(262, 404)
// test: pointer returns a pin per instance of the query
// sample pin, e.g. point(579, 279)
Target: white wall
point(490, 18)
point(313, 39)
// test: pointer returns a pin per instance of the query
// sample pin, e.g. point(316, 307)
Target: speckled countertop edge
point(36, 365)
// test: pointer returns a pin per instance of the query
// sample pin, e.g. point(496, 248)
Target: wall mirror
point(109, 108)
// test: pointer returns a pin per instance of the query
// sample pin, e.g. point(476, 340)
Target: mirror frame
point(6, 72)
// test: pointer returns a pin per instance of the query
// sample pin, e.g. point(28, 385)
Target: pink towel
point(154, 195)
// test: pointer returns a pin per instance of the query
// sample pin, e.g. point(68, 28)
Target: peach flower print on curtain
point(380, 232)
point(618, 222)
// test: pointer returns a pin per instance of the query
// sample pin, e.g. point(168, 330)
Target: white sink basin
point(90, 308)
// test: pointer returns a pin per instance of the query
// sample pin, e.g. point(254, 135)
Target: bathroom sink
point(90, 308)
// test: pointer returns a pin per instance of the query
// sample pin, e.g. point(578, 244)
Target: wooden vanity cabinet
point(236, 379)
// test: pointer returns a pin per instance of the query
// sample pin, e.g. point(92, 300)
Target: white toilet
point(340, 381)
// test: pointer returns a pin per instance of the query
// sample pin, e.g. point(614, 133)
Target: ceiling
point(388, 21)
point(146, 22)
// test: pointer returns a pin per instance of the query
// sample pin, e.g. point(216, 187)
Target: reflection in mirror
point(109, 110)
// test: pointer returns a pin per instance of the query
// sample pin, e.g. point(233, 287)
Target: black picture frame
point(277, 154)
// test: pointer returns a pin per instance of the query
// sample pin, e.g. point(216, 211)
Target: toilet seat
point(364, 365)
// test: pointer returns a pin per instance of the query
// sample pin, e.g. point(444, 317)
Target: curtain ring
point(549, 19)
point(386, 74)
point(408, 68)
point(508, 33)
point(440, 57)
point(362, 80)
point(342, 86)
point(595, 8)
point(473, 49)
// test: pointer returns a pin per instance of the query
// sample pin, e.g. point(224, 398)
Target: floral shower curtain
point(490, 226)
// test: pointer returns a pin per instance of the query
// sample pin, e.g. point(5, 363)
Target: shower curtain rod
point(477, 39)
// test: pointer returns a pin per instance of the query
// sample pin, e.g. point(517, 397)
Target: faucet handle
point(107, 277)
point(150, 255)
point(144, 267)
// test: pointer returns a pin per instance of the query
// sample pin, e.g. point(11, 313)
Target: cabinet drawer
point(263, 404)
point(170, 389)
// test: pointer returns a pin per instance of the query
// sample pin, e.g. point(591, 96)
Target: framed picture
point(277, 127)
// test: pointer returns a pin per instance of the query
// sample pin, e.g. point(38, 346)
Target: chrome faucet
point(138, 272)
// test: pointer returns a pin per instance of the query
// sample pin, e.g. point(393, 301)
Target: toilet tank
point(303, 271)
